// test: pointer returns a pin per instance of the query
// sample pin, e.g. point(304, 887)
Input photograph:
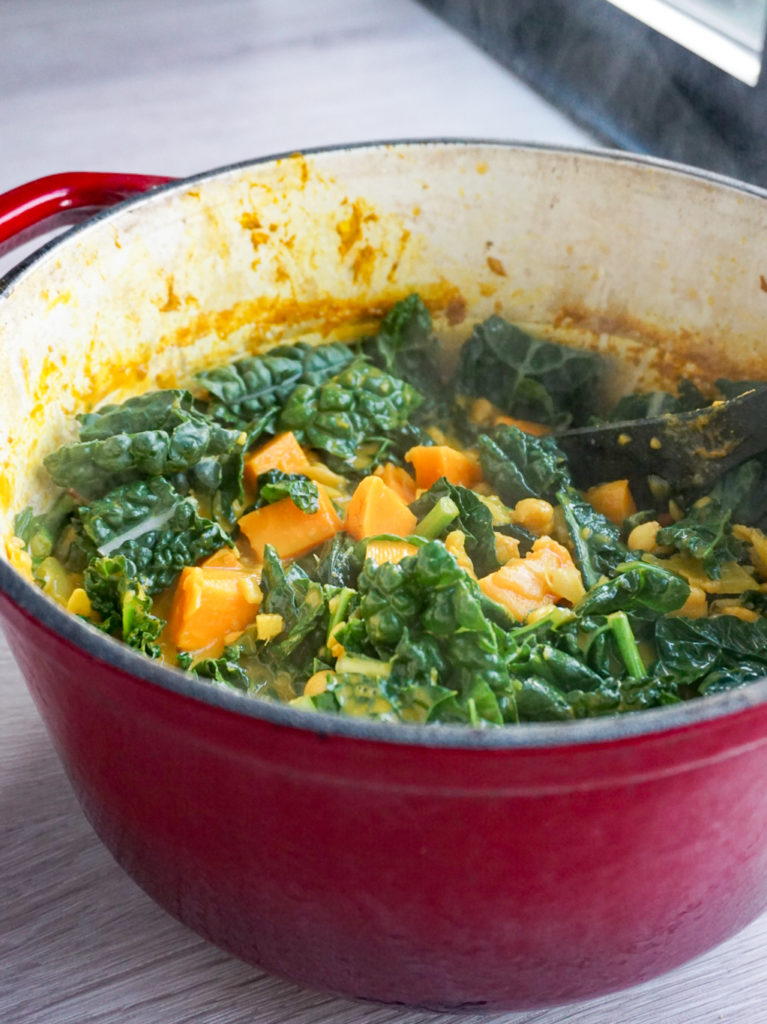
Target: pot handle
point(63, 199)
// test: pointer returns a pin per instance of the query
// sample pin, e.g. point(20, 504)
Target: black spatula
point(689, 450)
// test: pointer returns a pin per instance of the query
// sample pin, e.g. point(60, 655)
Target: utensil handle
point(61, 199)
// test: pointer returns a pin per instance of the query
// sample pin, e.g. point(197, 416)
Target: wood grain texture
point(175, 87)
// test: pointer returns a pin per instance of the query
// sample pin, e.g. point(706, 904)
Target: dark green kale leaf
point(249, 393)
point(518, 465)
point(40, 533)
point(151, 524)
point(121, 600)
point(474, 519)
point(362, 405)
point(540, 701)
point(706, 531)
point(637, 587)
point(336, 563)
point(641, 405)
point(527, 377)
point(157, 434)
point(304, 607)
point(732, 388)
point(226, 670)
point(405, 346)
point(156, 410)
point(274, 485)
point(596, 541)
point(710, 654)
point(423, 618)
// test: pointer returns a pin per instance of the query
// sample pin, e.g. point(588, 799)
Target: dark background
point(626, 83)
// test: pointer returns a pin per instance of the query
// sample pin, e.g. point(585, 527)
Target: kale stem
point(338, 605)
point(360, 665)
point(582, 555)
point(627, 645)
point(435, 521)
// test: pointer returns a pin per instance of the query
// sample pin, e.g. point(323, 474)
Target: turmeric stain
point(172, 303)
point(349, 230)
point(251, 222)
point(364, 263)
point(403, 241)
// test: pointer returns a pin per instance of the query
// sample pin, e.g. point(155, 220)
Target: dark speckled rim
point(654, 721)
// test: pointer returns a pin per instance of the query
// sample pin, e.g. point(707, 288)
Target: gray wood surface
point(175, 87)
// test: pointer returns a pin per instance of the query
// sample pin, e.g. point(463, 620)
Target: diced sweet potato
point(224, 558)
point(545, 575)
point(613, 499)
point(210, 606)
point(528, 426)
point(399, 480)
point(376, 508)
point(282, 452)
point(431, 462)
point(289, 530)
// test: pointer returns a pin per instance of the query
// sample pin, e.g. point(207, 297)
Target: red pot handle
point(61, 199)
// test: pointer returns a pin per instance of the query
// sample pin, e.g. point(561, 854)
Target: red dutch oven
point(442, 867)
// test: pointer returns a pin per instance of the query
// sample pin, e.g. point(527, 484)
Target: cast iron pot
point(441, 867)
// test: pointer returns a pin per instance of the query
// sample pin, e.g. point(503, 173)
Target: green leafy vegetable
point(40, 533)
point(122, 602)
point(706, 534)
point(711, 654)
point(405, 346)
point(112, 451)
point(274, 485)
point(424, 617)
point(519, 465)
point(151, 524)
point(249, 393)
point(527, 377)
point(596, 541)
point(641, 586)
point(225, 670)
point(472, 517)
point(648, 404)
point(360, 405)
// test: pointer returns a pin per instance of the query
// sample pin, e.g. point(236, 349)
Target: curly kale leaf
point(337, 563)
point(151, 524)
point(423, 617)
point(304, 607)
point(519, 465)
point(527, 377)
point(249, 393)
point(362, 405)
point(711, 654)
point(225, 670)
point(158, 434)
point(274, 485)
point(474, 520)
point(705, 532)
point(641, 405)
point(637, 587)
point(122, 602)
point(405, 347)
point(40, 533)
point(596, 541)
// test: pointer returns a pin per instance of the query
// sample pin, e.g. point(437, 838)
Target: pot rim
point(604, 730)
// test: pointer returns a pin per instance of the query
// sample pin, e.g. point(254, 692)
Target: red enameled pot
point(439, 867)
